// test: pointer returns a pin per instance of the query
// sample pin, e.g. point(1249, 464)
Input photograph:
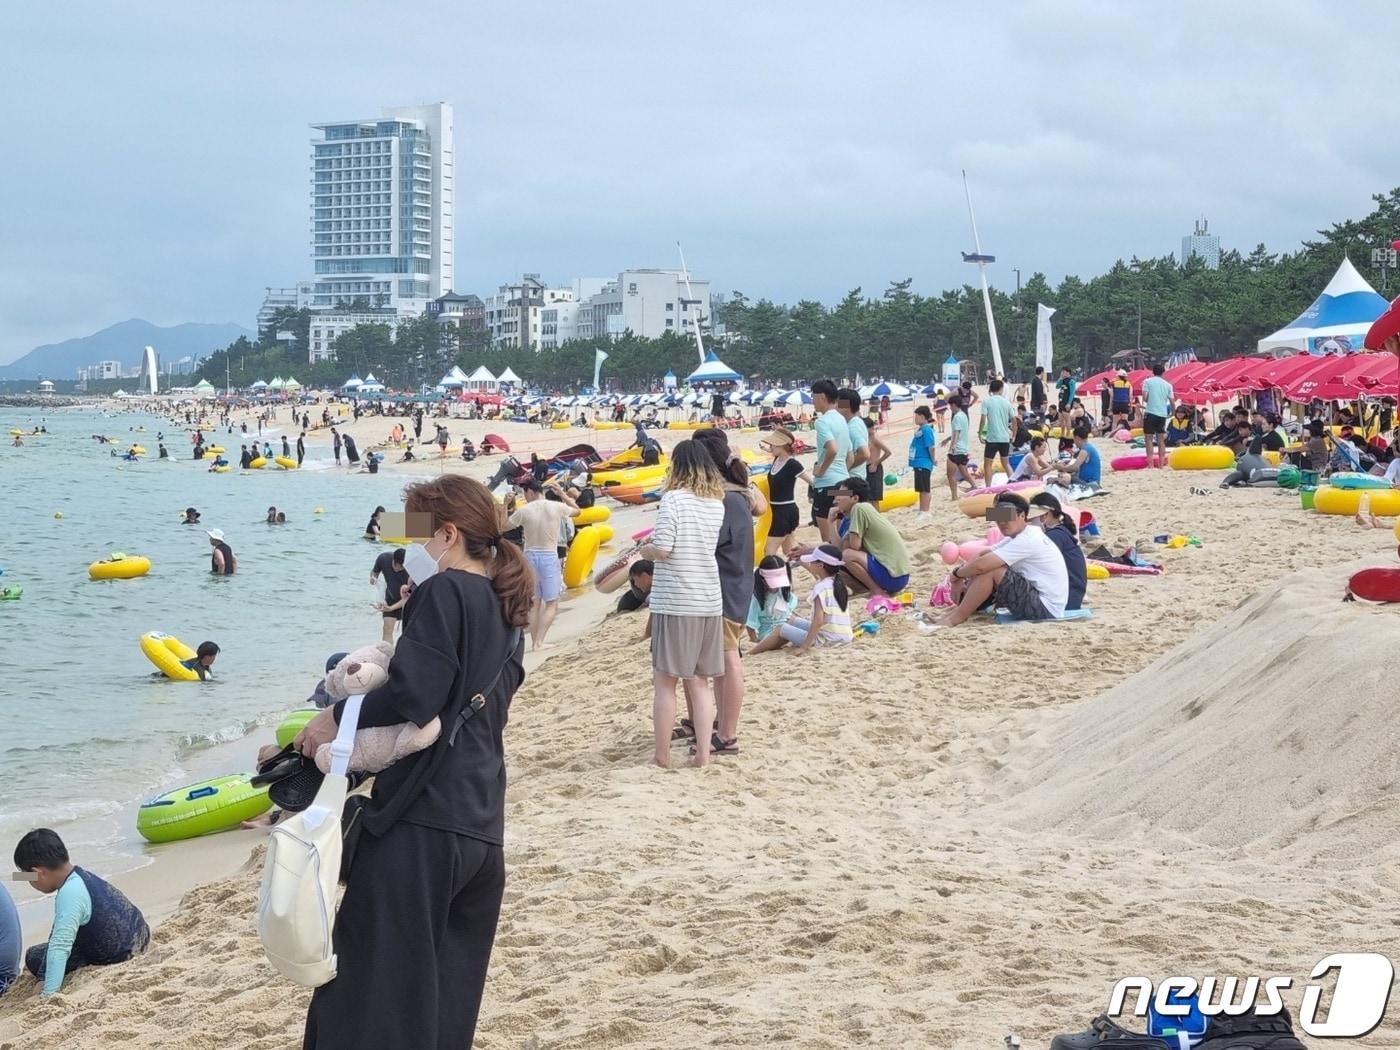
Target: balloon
point(994, 535)
point(949, 552)
point(970, 549)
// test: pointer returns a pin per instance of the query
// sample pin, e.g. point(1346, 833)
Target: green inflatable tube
point(201, 809)
point(11, 594)
point(293, 724)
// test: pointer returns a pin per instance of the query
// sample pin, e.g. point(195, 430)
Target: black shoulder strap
point(477, 702)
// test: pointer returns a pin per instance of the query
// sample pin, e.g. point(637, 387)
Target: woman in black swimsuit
point(782, 480)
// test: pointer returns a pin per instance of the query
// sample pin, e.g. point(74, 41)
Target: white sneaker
point(923, 517)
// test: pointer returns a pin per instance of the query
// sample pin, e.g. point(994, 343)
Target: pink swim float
point(1138, 462)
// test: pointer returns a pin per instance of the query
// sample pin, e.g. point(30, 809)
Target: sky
point(157, 156)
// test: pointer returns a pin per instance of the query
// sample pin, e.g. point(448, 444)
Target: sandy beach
point(926, 840)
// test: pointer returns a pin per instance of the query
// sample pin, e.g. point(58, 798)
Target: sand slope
point(926, 842)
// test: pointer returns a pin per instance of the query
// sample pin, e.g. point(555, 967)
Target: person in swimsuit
point(782, 480)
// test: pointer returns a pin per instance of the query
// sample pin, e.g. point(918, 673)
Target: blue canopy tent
point(714, 371)
point(1337, 320)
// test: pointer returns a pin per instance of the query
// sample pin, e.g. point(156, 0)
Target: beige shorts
point(687, 646)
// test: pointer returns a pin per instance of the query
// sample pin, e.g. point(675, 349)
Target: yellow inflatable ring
point(1383, 503)
point(976, 506)
point(167, 652)
point(895, 499)
point(578, 564)
point(634, 476)
point(258, 463)
point(592, 515)
point(216, 449)
point(1096, 572)
point(763, 523)
point(221, 470)
point(120, 567)
point(1201, 457)
point(285, 462)
point(138, 450)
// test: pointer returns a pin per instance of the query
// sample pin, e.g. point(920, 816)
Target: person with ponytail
point(415, 928)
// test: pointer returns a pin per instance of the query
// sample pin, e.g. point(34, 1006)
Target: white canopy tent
point(482, 379)
point(371, 385)
point(508, 376)
point(1337, 320)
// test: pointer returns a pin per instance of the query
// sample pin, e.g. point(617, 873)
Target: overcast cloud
point(156, 160)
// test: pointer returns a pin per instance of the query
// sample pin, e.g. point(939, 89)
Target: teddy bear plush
point(377, 747)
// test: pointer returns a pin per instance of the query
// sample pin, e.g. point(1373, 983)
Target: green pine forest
point(896, 333)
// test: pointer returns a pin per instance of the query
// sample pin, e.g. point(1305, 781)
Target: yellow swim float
point(119, 566)
point(583, 552)
point(258, 463)
point(285, 462)
point(1383, 503)
point(592, 515)
point(167, 653)
point(1201, 457)
point(898, 498)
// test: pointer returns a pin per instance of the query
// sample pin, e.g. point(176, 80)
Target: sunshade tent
point(1346, 378)
point(1218, 382)
point(1336, 321)
point(893, 391)
point(508, 376)
point(713, 371)
point(371, 385)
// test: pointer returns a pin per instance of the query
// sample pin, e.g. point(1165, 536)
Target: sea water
point(86, 726)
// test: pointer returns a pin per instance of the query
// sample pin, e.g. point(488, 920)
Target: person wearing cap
point(872, 549)
point(1024, 573)
point(783, 474)
point(1120, 401)
point(221, 559)
point(1061, 531)
point(191, 517)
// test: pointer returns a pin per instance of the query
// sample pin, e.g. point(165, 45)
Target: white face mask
point(419, 563)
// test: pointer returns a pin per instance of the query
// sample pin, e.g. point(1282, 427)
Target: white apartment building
point(382, 209)
point(327, 326)
point(513, 314)
point(648, 303)
point(283, 299)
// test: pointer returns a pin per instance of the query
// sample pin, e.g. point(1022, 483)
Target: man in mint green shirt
point(833, 449)
point(1157, 396)
point(996, 415)
point(873, 550)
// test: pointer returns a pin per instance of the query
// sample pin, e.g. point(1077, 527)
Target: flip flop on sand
point(684, 731)
point(720, 747)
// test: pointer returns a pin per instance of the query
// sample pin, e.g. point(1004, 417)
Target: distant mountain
point(122, 342)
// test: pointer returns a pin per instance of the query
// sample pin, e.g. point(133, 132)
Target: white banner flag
point(598, 358)
point(1044, 344)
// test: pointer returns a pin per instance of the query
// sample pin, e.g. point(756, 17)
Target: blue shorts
point(549, 580)
point(882, 577)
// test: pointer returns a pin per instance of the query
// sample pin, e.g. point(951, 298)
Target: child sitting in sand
point(93, 922)
point(830, 624)
point(773, 602)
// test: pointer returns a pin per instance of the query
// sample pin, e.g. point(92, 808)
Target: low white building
point(329, 326)
point(648, 303)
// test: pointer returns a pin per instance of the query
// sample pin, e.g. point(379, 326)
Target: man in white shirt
point(1024, 574)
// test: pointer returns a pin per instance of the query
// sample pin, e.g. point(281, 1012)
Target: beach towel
point(1004, 617)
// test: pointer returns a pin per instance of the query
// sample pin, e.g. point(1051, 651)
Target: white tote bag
point(296, 903)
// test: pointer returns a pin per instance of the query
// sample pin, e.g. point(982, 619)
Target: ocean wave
point(192, 743)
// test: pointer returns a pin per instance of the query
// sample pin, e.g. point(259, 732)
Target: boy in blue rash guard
point(93, 922)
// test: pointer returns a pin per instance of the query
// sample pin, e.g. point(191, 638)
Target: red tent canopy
point(1280, 371)
point(1218, 382)
point(1346, 378)
point(1091, 385)
point(1182, 376)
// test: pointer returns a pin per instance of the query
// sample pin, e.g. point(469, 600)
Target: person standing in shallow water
point(221, 558)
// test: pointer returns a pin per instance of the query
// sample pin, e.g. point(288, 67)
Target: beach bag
point(297, 898)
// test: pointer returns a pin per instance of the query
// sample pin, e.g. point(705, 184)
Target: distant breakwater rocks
point(39, 401)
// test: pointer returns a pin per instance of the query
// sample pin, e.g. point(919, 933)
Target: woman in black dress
point(414, 932)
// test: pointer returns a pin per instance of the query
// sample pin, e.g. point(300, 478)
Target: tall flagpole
point(982, 261)
point(690, 295)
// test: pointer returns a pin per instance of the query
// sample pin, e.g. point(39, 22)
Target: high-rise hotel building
point(381, 209)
